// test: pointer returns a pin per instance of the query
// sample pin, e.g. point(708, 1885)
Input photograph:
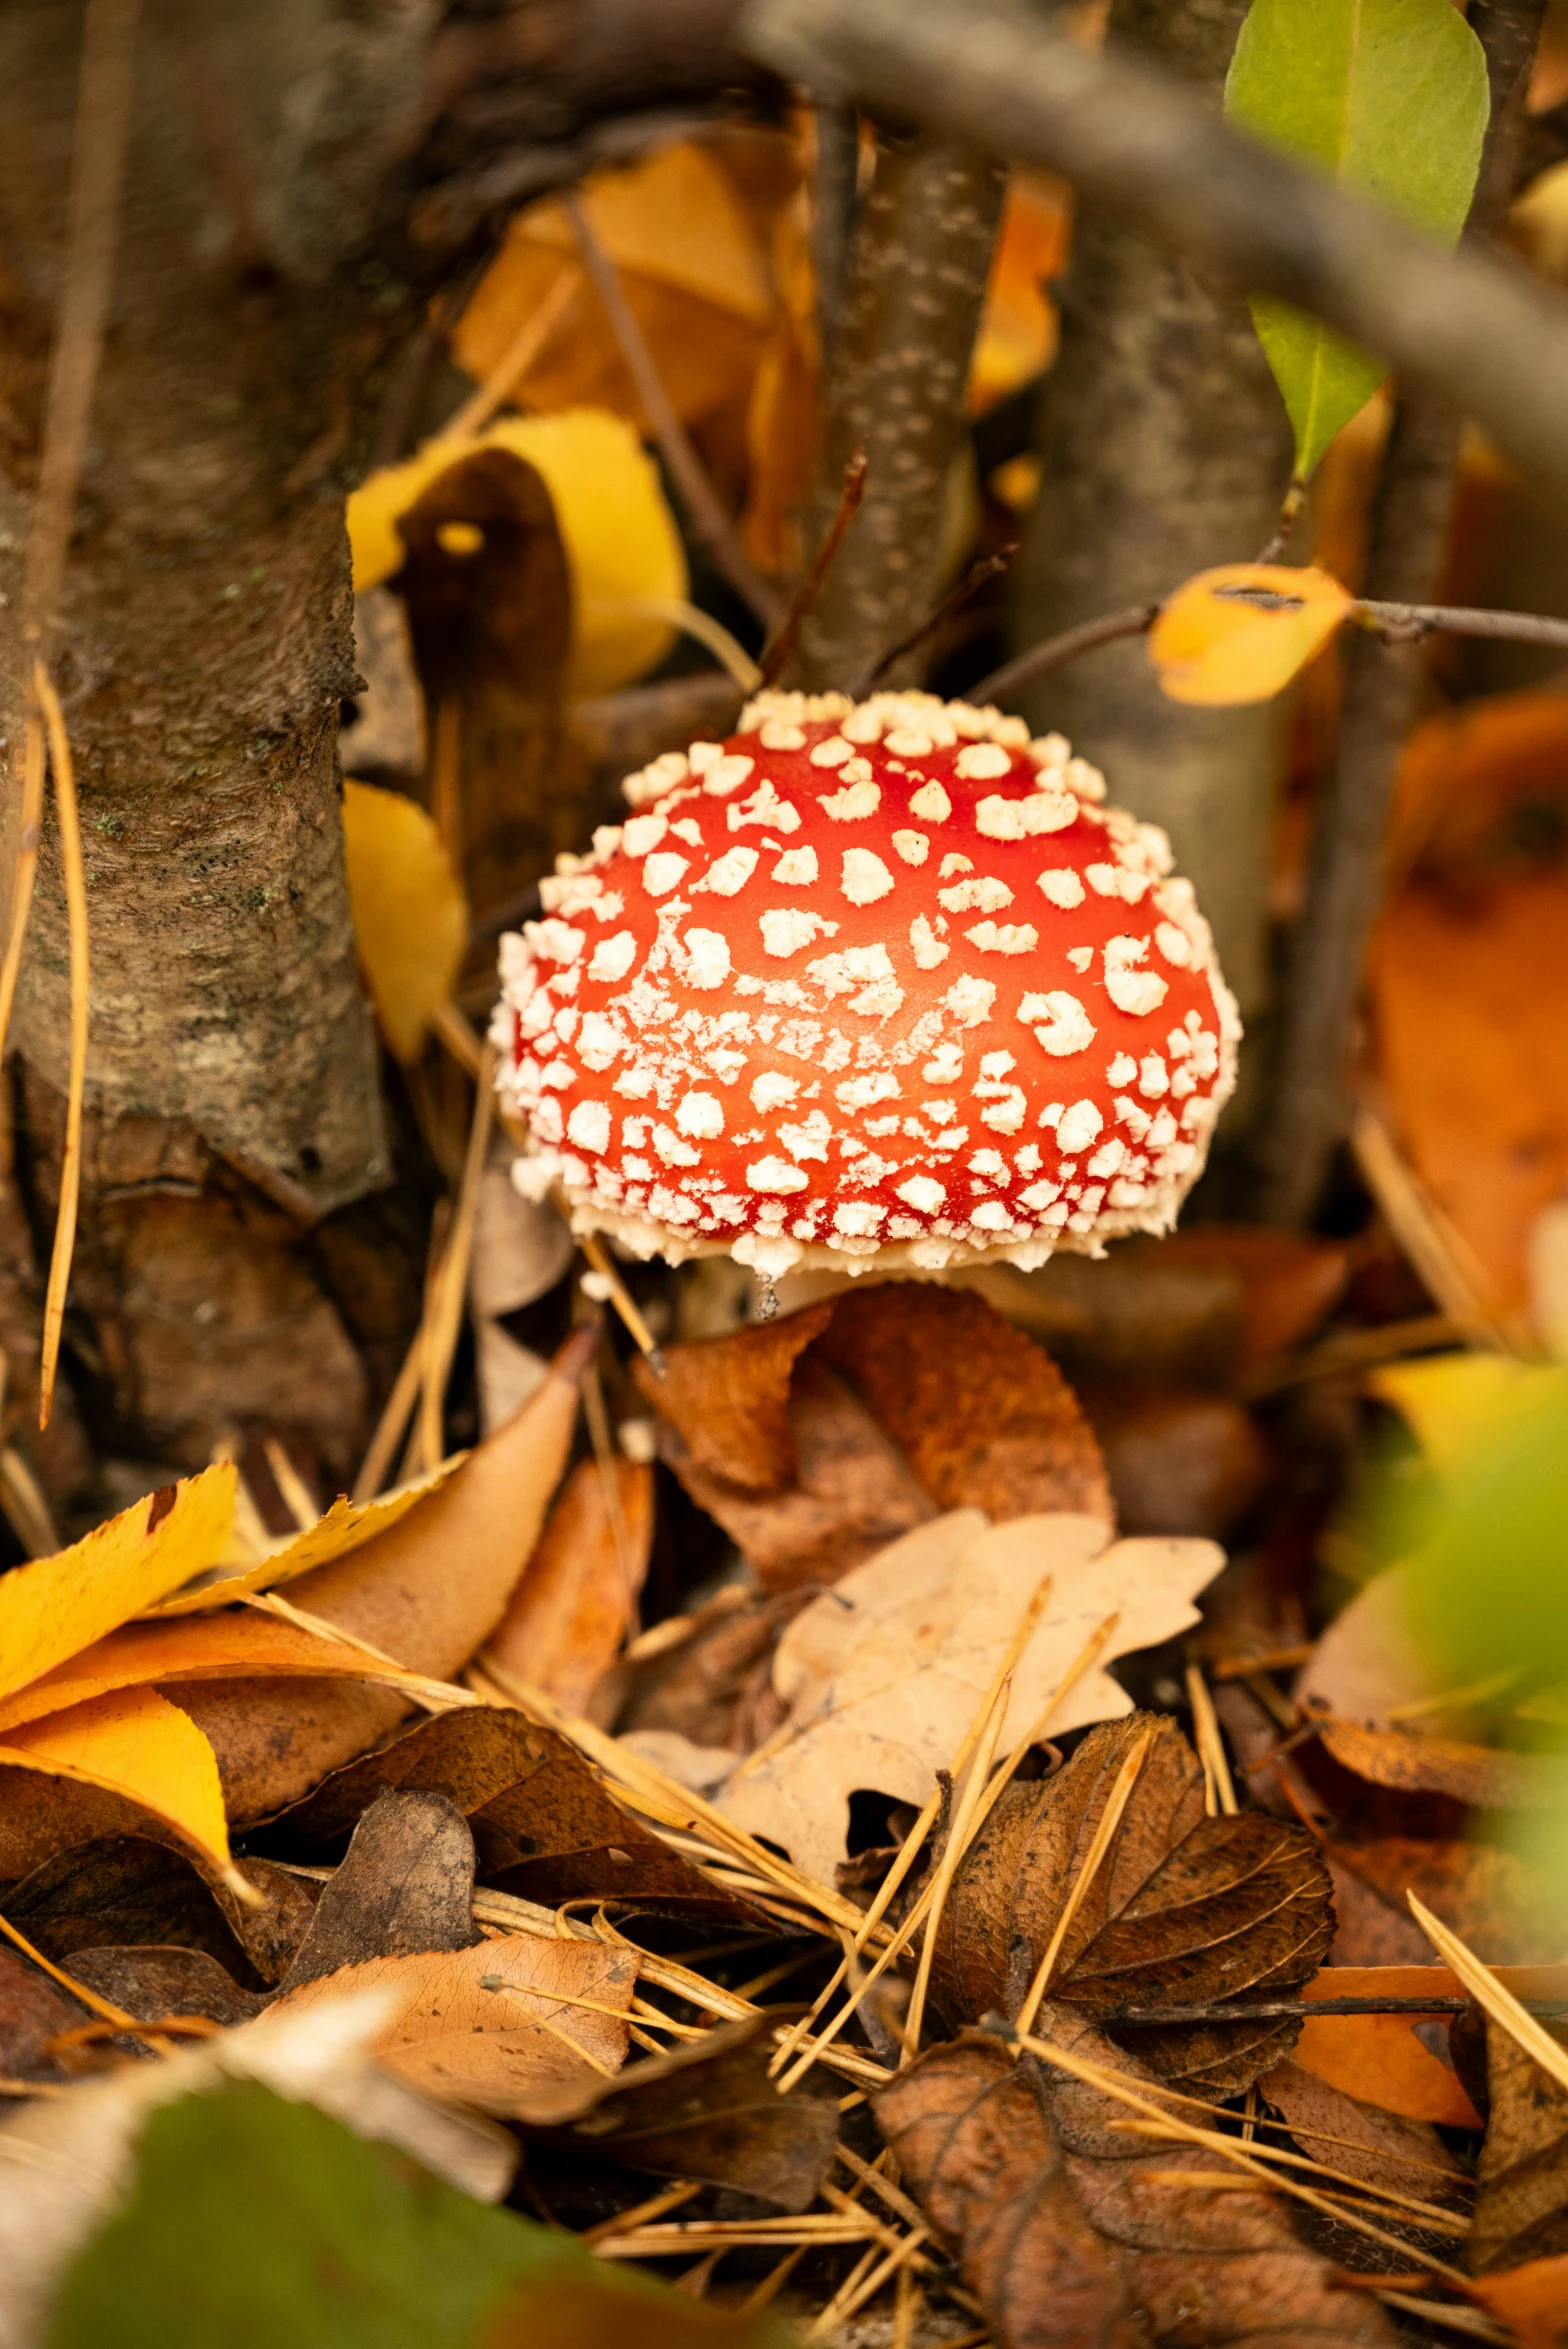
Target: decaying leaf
point(881, 1676)
point(728, 1399)
point(410, 918)
point(1183, 1909)
point(714, 1687)
point(1531, 2300)
point(1241, 632)
point(55, 1606)
point(1071, 2231)
point(1521, 2211)
point(33, 2012)
point(133, 1742)
point(405, 1888)
point(1475, 1774)
point(152, 1981)
point(1379, 2147)
point(577, 1595)
point(68, 2161)
point(127, 1890)
point(1379, 2058)
point(543, 1824)
point(709, 2110)
point(1492, 1898)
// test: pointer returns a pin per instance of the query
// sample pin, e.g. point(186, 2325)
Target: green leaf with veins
point(1389, 98)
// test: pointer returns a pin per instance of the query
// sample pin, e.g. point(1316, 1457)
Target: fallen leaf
point(544, 1825)
point(427, 1590)
point(410, 916)
point(881, 1676)
point(1016, 340)
point(1479, 1775)
point(152, 1981)
point(33, 2011)
point(54, 1606)
point(404, 1888)
point(1241, 632)
point(577, 1595)
point(1177, 1462)
point(1521, 2210)
point(620, 537)
point(126, 1890)
point(1454, 1402)
point(714, 1687)
point(728, 1399)
point(133, 1742)
point(983, 1416)
point(1380, 2148)
point(1369, 1662)
point(449, 2036)
point(1532, 2300)
point(1378, 2058)
point(1183, 1909)
point(709, 2110)
point(1071, 2231)
point(333, 2239)
point(1492, 1898)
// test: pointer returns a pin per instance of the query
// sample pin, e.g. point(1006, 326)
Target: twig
point(1004, 683)
point(1003, 76)
point(71, 1162)
point(986, 567)
point(776, 655)
point(1257, 2010)
point(710, 525)
point(1408, 623)
point(515, 361)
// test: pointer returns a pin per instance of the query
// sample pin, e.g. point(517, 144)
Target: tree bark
point(901, 351)
point(1164, 448)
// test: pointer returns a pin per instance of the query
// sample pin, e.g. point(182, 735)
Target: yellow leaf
point(247, 1645)
point(1017, 338)
point(1453, 1400)
point(344, 1527)
point(620, 538)
point(55, 1606)
point(134, 1743)
point(1242, 632)
point(410, 915)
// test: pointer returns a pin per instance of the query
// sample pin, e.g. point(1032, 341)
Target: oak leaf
point(1070, 2231)
point(1182, 1910)
point(881, 1676)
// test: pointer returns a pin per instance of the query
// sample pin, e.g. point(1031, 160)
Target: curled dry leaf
point(1240, 633)
point(126, 1890)
point(577, 1595)
point(134, 1743)
point(881, 1676)
point(1521, 2211)
point(1479, 1775)
point(405, 1889)
point(728, 1399)
point(1183, 1909)
point(544, 1825)
point(714, 1687)
point(426, 1590)
point(709, 2110)
point(500, 2049)
point(1381, 2148)
point(69, 2160)
point(1071, 2231)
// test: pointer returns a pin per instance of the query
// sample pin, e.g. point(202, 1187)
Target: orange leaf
point(203, 1647)
point(135, 1743)
point(1532, 2300)
point(1379, 2060)
point(563, 1627)
point(1017, 337)
point(1242, 632)
point(55, 1606)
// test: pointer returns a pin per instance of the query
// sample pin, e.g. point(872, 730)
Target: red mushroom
point(877, 986)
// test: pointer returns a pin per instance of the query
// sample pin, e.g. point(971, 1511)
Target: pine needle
point(518, 356)
point(444, 1310)
point(26, 871)
point(947, 1866)
point(1484, 1987)
point(76, 915)
point(1219, 1791)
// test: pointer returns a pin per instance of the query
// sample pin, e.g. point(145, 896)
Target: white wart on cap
point(877, 986)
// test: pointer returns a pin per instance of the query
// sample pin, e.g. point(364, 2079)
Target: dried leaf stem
point(76, 912)
point(710, 525)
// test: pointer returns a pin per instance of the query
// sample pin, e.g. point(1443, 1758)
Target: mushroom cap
point(880, 986)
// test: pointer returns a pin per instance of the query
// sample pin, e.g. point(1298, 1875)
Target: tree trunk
point(1164, 448)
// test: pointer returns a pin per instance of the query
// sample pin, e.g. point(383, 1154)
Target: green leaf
point(1390, 98)
point(254, 2223)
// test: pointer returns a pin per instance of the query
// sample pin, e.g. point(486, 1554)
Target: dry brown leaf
point(1532, 2300)
point(1381, 2148)
point(1178, 1462)
point(710, 2111)
point(449, 2037)
point(1492, 1898)
point(1521, 2210)
point(881, 1676)
point(1070, 2231)
point(984, 1418)
point(1475, 1774)
point(1183, 1909)
point(728, 1399)
point(152, 1981)
point(427, 1590)
point(577, 1595)
point(715, 1686)
point(543, 1824)
point(405, 1888)
point(33, 2011)
point(126, 1890)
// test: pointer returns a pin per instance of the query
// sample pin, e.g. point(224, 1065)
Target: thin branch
point(1470, 328)
point(1262, 2010)
point(710, 525)
point(776, 657)
point(1003, 684)
point(986, 567)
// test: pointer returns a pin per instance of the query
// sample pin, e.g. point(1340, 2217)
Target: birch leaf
point(410, 915)
point(881, 1676)
point(1240, 633)
point(55, 1606)
point(344, 1528)
point(1388, 97)
point(133, 1742)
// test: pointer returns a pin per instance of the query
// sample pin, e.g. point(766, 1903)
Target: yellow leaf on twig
point(1242, 632)
point(135, 1743)
point(410, 914)
point(55, 1606)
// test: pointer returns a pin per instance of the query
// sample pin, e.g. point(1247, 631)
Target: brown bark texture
point(901, 349)
point(1165, 448)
